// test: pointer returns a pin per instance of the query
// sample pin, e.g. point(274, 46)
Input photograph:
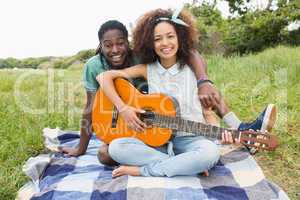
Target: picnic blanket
point(236, 176)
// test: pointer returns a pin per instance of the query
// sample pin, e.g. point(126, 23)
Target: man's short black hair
point(112, 24)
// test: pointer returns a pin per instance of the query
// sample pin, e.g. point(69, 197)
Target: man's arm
point(199, 65)
point(208, 94)
point(85, 128)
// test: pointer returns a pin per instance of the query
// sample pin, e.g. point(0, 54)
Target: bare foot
point(126, 170)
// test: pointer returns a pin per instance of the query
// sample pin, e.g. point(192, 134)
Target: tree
point(250, 27)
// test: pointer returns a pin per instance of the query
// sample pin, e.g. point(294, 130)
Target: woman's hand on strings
point(129, 114)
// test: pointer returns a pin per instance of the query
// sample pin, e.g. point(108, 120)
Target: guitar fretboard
point(188, 126)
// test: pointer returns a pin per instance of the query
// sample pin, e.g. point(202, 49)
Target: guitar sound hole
point(147, 117)
point(115, 115)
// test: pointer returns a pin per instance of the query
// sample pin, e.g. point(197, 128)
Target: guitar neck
point(188, 126)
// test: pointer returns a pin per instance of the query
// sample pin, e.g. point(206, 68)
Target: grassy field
point(33, 99)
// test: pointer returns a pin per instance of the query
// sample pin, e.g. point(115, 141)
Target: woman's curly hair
point(143, 35)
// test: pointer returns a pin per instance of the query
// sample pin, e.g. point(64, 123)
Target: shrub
point(84, 55)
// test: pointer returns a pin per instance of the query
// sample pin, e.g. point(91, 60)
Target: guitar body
point(160, 118)
point(109, 125)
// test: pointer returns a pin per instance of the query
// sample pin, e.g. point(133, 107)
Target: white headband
point(174, 18)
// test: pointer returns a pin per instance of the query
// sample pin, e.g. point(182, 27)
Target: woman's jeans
point(186, 155)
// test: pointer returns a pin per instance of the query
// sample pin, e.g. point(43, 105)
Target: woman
point(164, 41)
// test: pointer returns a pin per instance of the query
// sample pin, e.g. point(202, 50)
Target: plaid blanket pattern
point(236, 176)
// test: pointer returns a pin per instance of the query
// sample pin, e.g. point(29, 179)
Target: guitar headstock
point(258, 140)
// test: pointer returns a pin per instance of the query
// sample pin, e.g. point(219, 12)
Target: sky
point(35, 28)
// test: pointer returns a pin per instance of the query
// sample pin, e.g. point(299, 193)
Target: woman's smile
point(166, 50)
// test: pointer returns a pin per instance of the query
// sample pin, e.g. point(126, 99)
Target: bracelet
point(201, 81)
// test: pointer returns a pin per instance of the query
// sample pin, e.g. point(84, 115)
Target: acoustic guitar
point(162, 120)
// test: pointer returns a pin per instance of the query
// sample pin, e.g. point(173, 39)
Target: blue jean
point(191, 155)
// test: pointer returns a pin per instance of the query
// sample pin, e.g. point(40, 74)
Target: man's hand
point(70, 151)
point(208, 95)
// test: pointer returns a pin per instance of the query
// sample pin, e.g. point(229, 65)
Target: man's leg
point(104, 157)
point(221, 108)
point(264, 122)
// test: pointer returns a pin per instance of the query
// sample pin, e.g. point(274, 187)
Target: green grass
point(55, 98)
